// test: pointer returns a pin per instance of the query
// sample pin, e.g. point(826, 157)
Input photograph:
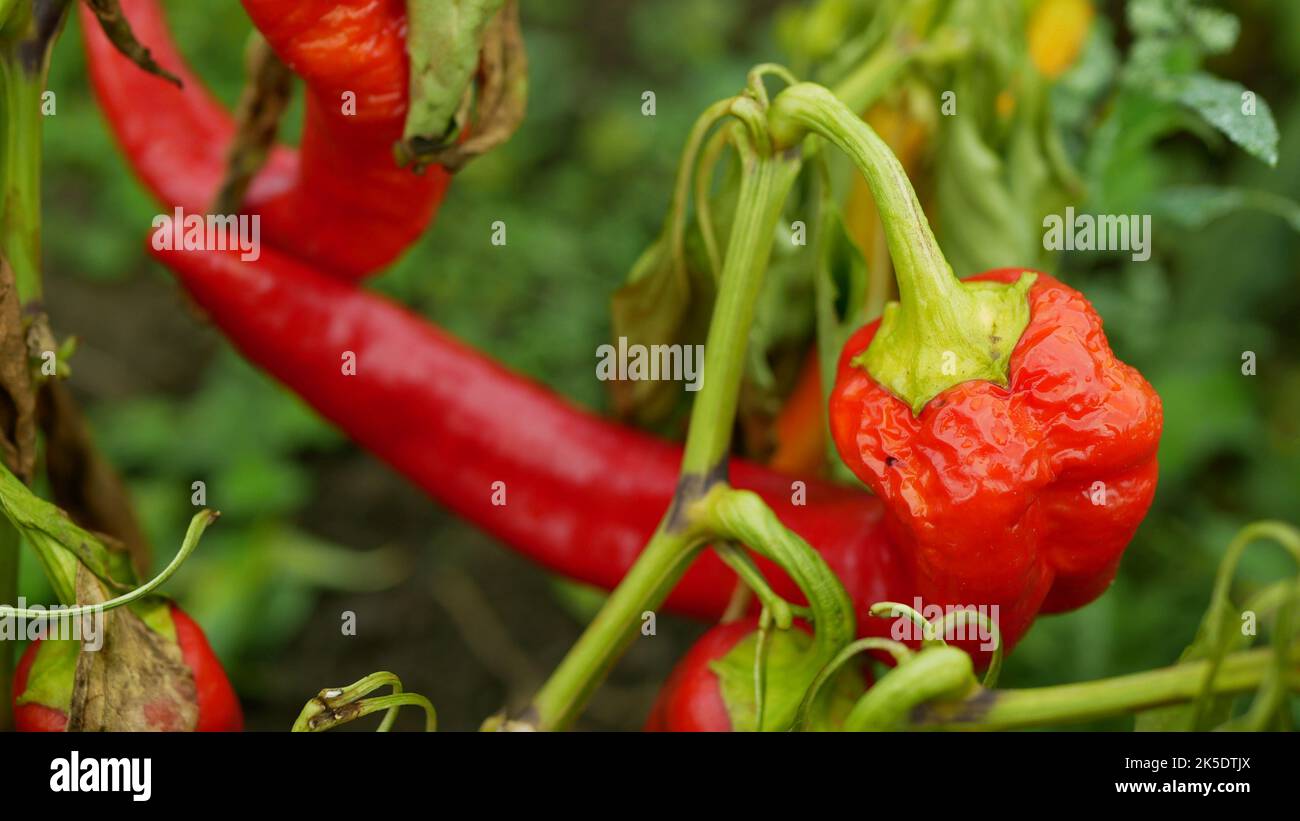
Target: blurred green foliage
point(583, 187)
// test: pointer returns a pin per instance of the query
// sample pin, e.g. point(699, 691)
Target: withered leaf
point(17, 393)
point(118, 29)
point(267, 91)
point(497, 101)
point(136, 682)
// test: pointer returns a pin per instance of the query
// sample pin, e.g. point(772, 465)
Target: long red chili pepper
point(581, 495)
point(315, 202)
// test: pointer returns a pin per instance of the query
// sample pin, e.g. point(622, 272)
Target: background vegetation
point(583, 187)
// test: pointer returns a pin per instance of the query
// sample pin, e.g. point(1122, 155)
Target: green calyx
point(942, 331)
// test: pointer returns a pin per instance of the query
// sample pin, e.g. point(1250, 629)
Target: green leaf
point(663, 303)
point(1195, 206)
point(789, 675)
point(59, 543)
point(1221, 103)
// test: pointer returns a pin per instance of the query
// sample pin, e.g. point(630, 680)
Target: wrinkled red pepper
point(1021, 497)
point(339, 201)
point(218, 706)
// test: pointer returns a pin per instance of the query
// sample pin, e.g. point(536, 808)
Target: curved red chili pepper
point(581, 494)
point(339, 202)
point(218, 706)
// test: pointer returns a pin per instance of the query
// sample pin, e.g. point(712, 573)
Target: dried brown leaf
point(137, 681)
point(17, 393)
point(118, 29)
point(498, 105)
point(266, 95)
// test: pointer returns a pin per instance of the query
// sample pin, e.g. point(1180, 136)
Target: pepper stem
point(765, 184)
point(942, 331)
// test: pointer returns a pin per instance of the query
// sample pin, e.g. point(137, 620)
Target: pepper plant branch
point(27, 34)
point(1021, 709)
point(765, 182)
point(937, 672)
point(1221, 603)
point(742, 516)
point(781, 612)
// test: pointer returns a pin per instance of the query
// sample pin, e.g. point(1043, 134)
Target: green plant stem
point(1089, 701)
point(20, 174)
point(27, 33)
point(934, 673)
point(1221, 602)
point(742, 516)
point(193, 534)
point(764, 186)
point(765, 182)
point(942, 331)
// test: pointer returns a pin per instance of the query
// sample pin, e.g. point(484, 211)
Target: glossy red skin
point(339, 202)
point(691, 698)
point(583, 494)
point(219, 709)
point(988, 488)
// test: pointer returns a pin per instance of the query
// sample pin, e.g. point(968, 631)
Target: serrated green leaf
point(1221, 103)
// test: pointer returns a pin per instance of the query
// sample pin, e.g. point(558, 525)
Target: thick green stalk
point(20, 173)
point(764, 186)
point(1089, 701)
point(942, 331)
point(742, 516)
point(27, 32)
point(763, 191)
